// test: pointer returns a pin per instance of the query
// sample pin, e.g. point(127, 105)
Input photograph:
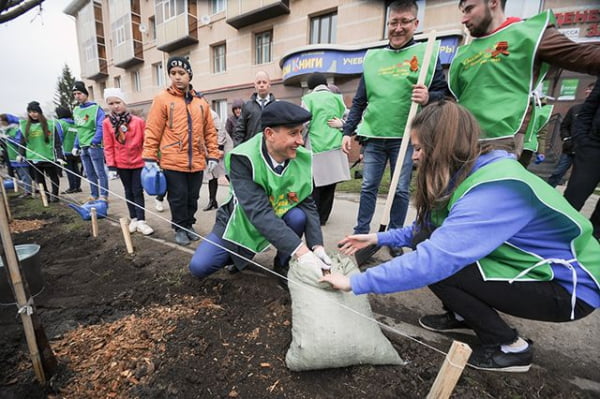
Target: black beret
point(283, 113)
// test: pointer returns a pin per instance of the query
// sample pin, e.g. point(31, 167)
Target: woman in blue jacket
point(489, 237)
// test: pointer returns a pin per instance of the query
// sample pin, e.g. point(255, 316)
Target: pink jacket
point(128, 155)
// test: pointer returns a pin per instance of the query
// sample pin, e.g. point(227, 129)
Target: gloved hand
point(312, 262)
point(319, 251)
point(335, 123)
point(151, 164)
point(212, 164)
point(20, 159)
point(76, 151)
point(539, 158)
point(61, 162)
point(112, 174)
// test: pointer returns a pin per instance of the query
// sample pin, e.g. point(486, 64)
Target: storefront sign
point(568, 89)
point(589, 17)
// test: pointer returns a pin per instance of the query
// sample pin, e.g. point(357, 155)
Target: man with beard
point(495, 74)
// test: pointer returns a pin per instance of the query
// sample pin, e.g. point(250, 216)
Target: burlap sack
point(327, 327)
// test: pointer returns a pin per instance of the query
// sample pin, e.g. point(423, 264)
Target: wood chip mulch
point(21, 226)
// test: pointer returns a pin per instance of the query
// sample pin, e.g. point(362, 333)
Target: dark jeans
point(41, 168)
point(134, 193)
point(323, 197)
point(564, 163)
point(478, 301)
point(183, 191)
point(209, 258)
point(73, 165)
point(585, 177)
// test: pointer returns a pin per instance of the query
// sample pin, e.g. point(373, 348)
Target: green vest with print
point(85, 120)
point(12, 150)
point(69, 134)
point(324, 105)
point(38, 149)
point(493, 75)
point(285, 191)
point(508, 261)
point(540, 116)
point(389, 78)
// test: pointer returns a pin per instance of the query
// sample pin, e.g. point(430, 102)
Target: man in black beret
point(271, 183)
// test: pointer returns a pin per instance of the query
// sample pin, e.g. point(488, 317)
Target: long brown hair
point(44, 124)
point(449, 139)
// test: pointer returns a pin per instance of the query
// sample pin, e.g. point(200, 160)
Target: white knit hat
point(114, 92)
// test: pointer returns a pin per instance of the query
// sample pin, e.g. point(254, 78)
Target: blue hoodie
point(478, 223)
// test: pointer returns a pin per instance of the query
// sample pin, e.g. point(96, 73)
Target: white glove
point(112, 174)
point(319, 251)
point(310, 261)
point(212, 164)
point(61, 162)
point(20, 159)
point(76, 151)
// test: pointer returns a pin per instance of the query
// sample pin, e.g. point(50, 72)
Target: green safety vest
point(539, 118)
point(285, 191)
point(12, 150)
point(324, 105)
point(85, 120)
point(508, 262)
point(389, 76)
point(493, 75)
point(38, 149)
point(69, 134)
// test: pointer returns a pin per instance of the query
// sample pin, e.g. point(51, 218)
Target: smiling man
point(271, 183)
point(382, 102)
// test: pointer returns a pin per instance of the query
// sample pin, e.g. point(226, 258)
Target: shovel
point(363, 255)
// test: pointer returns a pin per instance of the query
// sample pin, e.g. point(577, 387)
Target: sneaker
point(442, 323)
point(133, 225)
point(181, 237)
point(283, 271)
point(395, 251)
point(192, 234)
point(103, 199)
point(143, 228)
point(493, 359)
point(91, 198)
point(232, 269)
point(158, 205)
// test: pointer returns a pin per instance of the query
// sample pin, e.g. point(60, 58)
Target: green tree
point(64, 89)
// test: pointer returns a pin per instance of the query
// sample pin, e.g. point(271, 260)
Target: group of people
point(489, 235)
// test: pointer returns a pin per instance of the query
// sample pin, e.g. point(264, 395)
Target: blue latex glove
point(539, 158)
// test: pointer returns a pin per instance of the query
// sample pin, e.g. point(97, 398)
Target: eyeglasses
point(401, 22)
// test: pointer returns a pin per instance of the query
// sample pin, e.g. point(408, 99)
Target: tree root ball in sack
point(332, 328)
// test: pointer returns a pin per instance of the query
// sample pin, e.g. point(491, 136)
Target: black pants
point(132, 183)
point(323, 197)
point(183, 191)
point(585, 177)
point(41, 168)
point(73, 165)
point(467, 294)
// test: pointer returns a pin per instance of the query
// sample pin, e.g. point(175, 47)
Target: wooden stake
point(451, 370)
point(43, 195)
point(94, 222)
point(15, 185)
point(7, 207)
point(126, 235)
point(44, 361)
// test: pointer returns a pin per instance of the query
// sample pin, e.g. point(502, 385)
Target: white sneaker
point(133, 225)
point(158, 205)
point(143, 228)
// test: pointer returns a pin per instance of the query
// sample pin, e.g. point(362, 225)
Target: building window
point(217, 6)
point(119, 33)
point(219, 58)
point(90, 90)
point(136, 81)
point(117, 81)
point(152, 25)
point(263, 42)
point(168, 9)
point(322, 28)
point(159, 74)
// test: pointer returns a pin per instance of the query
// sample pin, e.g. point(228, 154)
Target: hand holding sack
point(212, 164)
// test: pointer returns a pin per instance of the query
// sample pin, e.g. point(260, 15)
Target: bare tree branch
point(12, 9)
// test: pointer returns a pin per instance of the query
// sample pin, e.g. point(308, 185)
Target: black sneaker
point(493, 359)
point(443, 323)
point(181, 237)
point(395, 251)
point(191, 234)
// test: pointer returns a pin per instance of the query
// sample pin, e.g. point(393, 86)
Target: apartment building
point(127, 43)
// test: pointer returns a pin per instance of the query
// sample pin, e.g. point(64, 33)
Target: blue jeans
point(564, 163)
point(377, 153)
point(93, 163)
point(209, 258)
point(25, 177)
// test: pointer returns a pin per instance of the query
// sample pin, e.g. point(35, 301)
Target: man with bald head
point(249, 121)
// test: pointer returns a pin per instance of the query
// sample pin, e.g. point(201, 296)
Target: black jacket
point(588, 119)
point(249, 122)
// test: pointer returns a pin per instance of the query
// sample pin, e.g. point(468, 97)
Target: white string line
point(251, 261)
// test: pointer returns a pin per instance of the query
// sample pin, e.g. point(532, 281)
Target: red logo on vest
point(501, 48)
point(414, 64)
point(293, 197)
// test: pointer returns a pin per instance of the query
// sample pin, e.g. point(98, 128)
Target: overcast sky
point(35, 47)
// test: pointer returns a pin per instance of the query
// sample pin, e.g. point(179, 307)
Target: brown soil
point(139, 326)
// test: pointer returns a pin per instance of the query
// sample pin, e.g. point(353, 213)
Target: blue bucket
point(9, 184)
point(154, 181)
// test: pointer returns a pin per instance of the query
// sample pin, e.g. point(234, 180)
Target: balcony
point(241, 13)
point(178, 31)
point(128, 49)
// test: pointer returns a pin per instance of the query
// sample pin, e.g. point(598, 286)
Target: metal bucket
point(29, 258)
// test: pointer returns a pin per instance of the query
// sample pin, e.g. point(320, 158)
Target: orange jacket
point(170, 131)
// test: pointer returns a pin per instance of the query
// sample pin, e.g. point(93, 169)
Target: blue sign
point(346, 62)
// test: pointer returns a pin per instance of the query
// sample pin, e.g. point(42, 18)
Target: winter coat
point(129, 154)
